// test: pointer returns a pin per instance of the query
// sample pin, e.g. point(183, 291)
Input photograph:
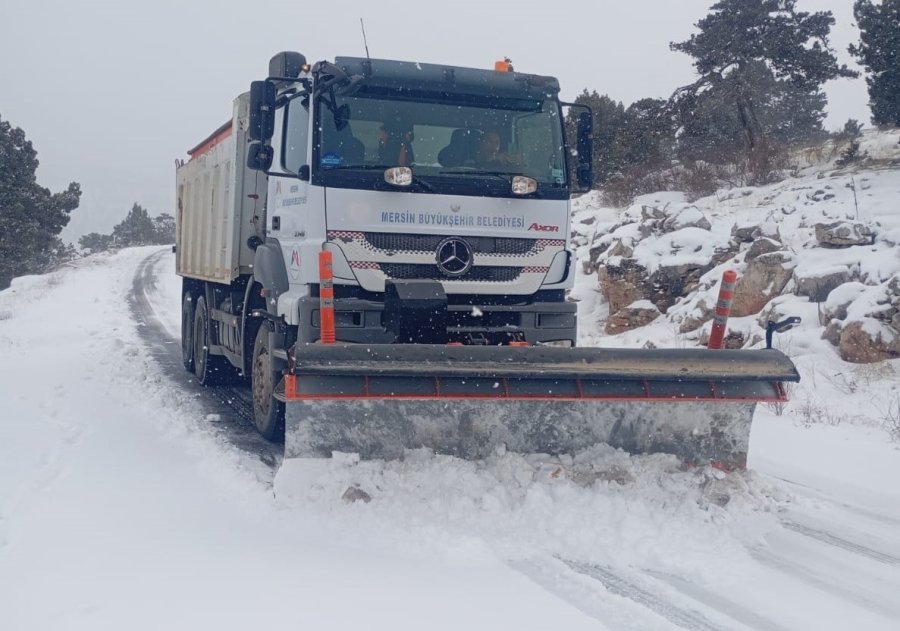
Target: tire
point(187, 332)
point(268, 412)
point(210, 369)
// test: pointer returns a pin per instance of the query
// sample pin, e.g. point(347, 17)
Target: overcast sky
point(111, 93)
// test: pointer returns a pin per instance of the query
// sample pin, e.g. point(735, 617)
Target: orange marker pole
point(326, 297)
point(723, 309)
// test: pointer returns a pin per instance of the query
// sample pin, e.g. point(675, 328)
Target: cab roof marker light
point(503, 65)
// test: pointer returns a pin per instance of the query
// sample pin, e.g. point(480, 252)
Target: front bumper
point(360, 321)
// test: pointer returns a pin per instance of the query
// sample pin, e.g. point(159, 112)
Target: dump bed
point(219, 201)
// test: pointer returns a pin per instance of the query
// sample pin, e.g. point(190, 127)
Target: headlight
point(522, 185)
point(398, 176)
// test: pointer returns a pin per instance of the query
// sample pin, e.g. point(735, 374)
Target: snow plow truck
point(382, 248)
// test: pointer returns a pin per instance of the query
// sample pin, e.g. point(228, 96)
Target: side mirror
point(260, 156)
point(584, 172)
point(262, 110)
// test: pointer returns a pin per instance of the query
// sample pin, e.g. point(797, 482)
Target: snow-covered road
point(129, 498)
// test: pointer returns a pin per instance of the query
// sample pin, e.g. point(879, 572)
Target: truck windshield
point(442, 137)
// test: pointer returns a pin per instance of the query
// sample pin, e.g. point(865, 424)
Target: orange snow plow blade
point(466, 401)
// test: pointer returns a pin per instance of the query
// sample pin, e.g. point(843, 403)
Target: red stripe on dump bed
point(211, 141)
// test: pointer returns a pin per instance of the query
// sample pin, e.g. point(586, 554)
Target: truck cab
point(478, 201)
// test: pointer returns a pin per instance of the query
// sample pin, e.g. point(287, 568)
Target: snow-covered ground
point(124, 505)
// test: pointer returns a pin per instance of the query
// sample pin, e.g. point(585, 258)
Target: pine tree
point(95, 242)
point(711, 127)
point(739, 34)
point(647, 134)
point(879, 51)
point(164, 228)
point(31, 216)
point(608, 119)
point(136, 229)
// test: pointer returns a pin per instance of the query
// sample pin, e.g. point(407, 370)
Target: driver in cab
point(488, 153)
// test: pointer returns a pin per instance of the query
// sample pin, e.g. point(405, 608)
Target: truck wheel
point(187, 332)
point(268, 412)
point(210, 369)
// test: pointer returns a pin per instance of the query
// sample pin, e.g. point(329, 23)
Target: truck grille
point(483, 273)
point(395, 242)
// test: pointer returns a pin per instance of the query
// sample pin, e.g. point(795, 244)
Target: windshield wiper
point(503, 175)
point(355, 167)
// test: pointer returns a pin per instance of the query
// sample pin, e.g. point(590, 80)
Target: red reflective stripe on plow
point(290, 387)
point(522, 397)
point(291, 394)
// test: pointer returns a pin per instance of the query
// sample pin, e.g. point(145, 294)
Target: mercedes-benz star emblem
point(454, 257)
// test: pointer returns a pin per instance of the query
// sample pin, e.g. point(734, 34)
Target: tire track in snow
point(626, 588)
point(231, 404)
point(840, 542)
point(816, 578)
point(598, 591)
point(718, 602)
point(820, 496)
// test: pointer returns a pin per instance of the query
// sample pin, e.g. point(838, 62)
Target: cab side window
point(296, 134)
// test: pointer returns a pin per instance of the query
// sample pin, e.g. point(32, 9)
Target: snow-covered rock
point(765, 277)
point(843, 234)
point(840, 299)
point(622, 284)
point(762, 245)
point(686, 217)
point(818, 284)
point(637, 314)
point(867, 341)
